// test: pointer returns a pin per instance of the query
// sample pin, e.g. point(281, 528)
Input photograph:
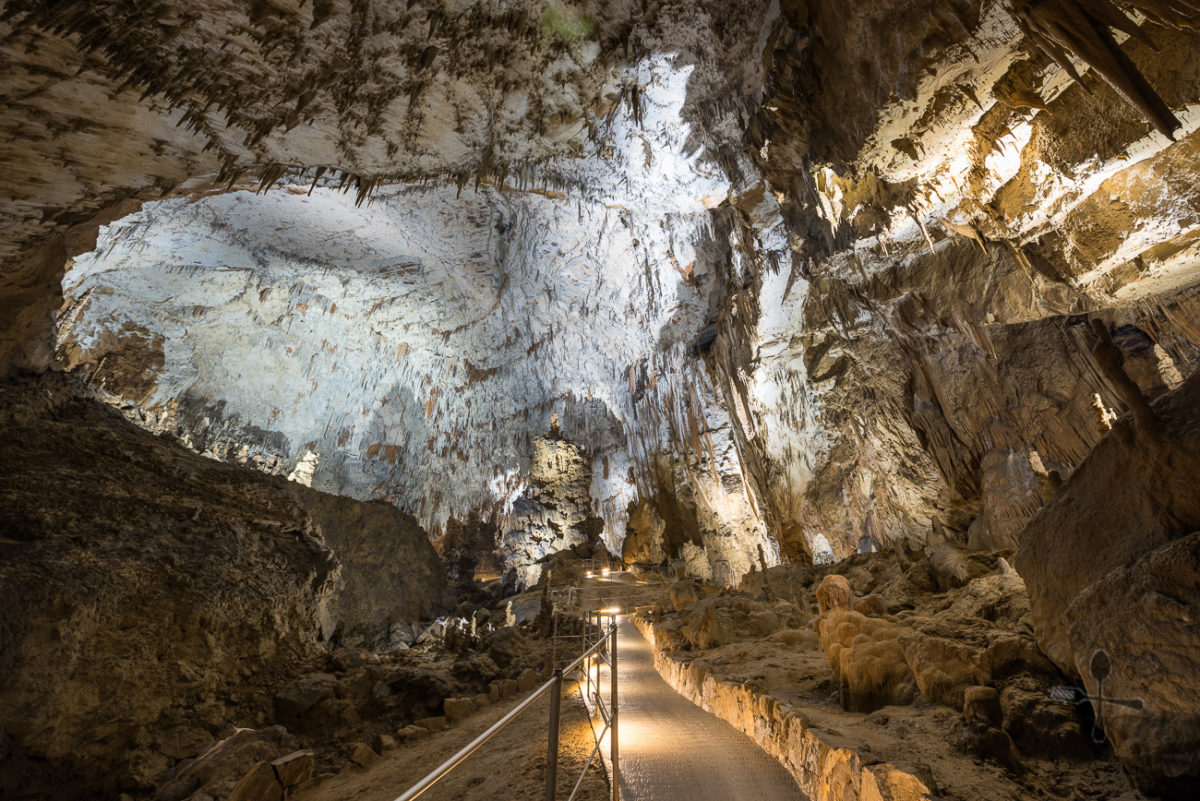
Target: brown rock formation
point(186, 588)
point(1110, 567)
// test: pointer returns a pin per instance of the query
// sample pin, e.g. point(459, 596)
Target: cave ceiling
point(792, 279)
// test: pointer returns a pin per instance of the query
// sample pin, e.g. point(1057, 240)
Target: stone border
point(825, 772)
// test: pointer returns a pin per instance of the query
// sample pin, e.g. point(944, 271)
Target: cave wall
point(925, 363)
point(1112, 568)
point(799, 279)
point(188, 589)
point(910, 192)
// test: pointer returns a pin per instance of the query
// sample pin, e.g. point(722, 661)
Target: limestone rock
point(219, 769)
point(362, 755)
point(527, 680)
point(1039, 724)
point(868, 660)
point(433, 723)
point(228, 598)
point(294, 768)
point(683, 594)
point(302, 695)
point(870, 605)
point(411, 732)
point(457, 709)
point(260, 784)
point(943, 669)
point(1111, 568)
point(982, 704)
point(1135, 639)
point(834, 593)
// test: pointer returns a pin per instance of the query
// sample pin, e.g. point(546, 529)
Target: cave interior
point(342, 340)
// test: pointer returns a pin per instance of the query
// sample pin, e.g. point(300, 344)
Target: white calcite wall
point(414, 348)
point(417, 344)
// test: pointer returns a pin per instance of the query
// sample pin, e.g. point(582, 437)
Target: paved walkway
point(672, 750)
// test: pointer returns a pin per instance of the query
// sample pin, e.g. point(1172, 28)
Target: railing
point(603, 650)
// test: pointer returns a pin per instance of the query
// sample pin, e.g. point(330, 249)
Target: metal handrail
point(556, 682)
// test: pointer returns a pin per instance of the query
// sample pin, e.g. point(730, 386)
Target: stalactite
point(1062, 28)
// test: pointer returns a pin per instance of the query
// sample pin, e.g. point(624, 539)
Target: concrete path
point(672, 750)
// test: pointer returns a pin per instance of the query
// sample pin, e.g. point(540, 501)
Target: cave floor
point(511, 765)
point(672, 750)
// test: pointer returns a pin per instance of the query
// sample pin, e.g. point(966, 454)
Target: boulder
point(401, 635)
point(708, 629)
point(294, 768)
point(362, 755)
point(870, 605)
point(182, 742)
point(260, 784)
point(297, 698)
point(527, 680)
point(219, 769)
point(435, 723)
point(411, 732)
point(457, 709)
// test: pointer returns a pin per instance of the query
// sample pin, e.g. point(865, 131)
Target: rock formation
point(715, 286)
point(184, 587)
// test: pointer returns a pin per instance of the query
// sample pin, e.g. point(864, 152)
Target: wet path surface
point(671, 750)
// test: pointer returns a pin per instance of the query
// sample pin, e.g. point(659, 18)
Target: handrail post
point(552, 747)
point(554, 642)
point(616, 768)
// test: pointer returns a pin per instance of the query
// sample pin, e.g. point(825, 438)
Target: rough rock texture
point(800, 279)
point(554, 512)
point(961, 708)
point(619, 103)
point(186, 588)
point(869, 337)
point(1111, 567)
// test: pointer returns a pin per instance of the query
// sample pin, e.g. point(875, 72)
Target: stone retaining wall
point(823, 770)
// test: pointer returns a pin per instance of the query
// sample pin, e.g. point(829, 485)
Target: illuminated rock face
point(799, 279)
point(415, 347)
point(418, 345)
point(800, 361)
point(811, 270)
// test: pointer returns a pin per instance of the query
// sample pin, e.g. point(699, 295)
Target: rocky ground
point(510, 766)
point(170, 621)
point(924, 667)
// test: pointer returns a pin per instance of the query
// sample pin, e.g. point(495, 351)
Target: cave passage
point(348, 348)
point(672, 749)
